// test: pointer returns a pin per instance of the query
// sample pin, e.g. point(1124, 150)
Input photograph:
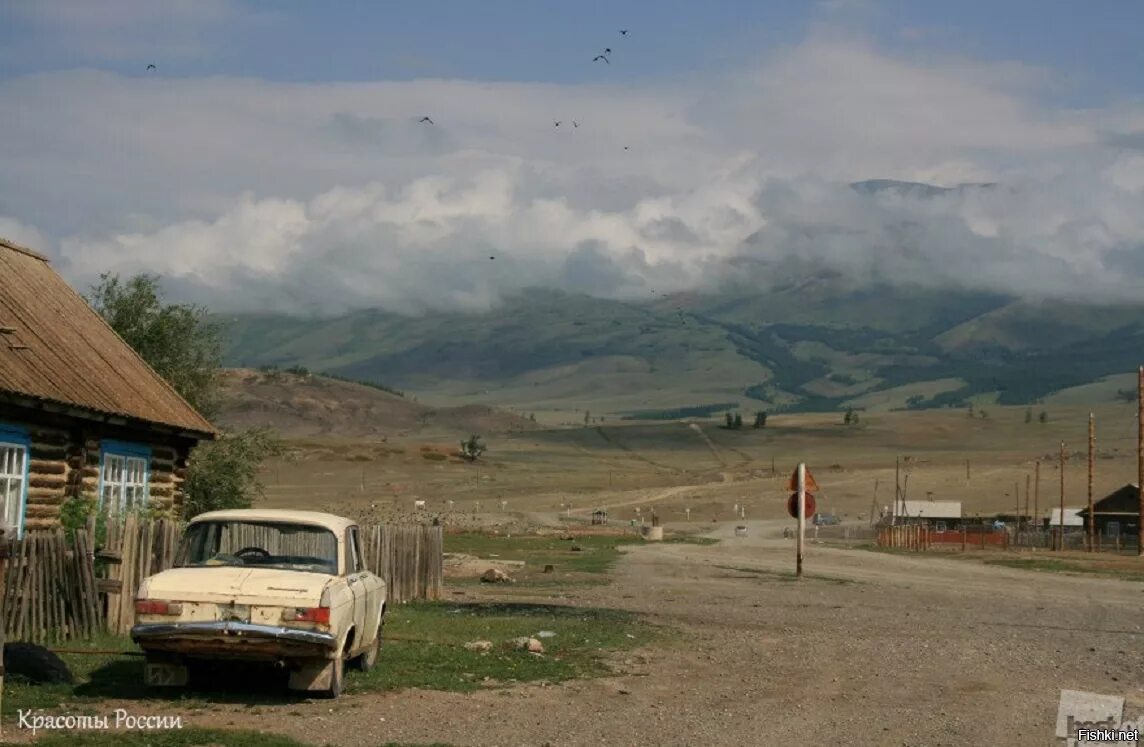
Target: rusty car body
point(283, 587)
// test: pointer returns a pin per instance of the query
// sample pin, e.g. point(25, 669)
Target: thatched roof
point(56, 350)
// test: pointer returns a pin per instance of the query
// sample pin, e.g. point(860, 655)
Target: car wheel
point(367, 660)
point(336, 678)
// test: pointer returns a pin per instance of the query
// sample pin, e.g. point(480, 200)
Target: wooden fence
point(57, 590)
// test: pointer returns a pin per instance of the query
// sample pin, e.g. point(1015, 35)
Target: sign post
point(802, 482)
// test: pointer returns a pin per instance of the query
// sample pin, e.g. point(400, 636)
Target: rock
point(576, 548)
point(494, 576)
point(525, 643)
point(549, 568)
point(480, 646)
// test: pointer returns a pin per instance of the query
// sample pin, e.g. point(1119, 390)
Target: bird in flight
point(492, 257)
point(556, 123)
point(575, 123)
point(599, 57)
point(426, 119)
point(152, 67)
point(608, 50)
point(625, 147)
point(623, 32)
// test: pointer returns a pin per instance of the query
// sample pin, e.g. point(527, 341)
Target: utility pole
point(897, 487)
point(874, 505)
point(1037, 493)
point(1027, 479)
point(967, 471)
point(1017, 497)
point(1140, 462)
point(1061, 518)
point(1091, 469)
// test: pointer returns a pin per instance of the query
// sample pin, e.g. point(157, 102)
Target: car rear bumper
point(233, 639)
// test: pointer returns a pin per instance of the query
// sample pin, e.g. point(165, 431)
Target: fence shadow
point(224, 682)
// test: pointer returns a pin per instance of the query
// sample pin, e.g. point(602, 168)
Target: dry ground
point(868, 649)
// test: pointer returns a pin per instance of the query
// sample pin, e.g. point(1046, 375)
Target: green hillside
point(808, 343)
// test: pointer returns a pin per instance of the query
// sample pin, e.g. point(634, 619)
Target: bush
point(434, 456)
point(224, 473)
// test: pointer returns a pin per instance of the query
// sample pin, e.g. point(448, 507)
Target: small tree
point(179, 341)
point(854, 417)
point(472, 448)
point(738, 421)
point(224, 473)
point(982, 414)
point(730, 420)
point(971, 413)
point(760, 420)
point(1043, 417)
point(1029, 415)
point(848, 418)
point(587, 417)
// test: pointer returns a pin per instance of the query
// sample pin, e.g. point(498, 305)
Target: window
point(940, 526)
point(124, 477)
point(14, 446)
point(295, 547)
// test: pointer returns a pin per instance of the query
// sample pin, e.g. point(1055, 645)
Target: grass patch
point(690, 539)
point(439, 661)
point(597, 553)
point(1059, 565)
point(426, 651)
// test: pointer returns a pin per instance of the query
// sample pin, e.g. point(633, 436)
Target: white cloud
point(256, 195)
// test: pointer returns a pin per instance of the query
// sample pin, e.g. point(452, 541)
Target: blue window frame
point(124, 476)
point(15, 453)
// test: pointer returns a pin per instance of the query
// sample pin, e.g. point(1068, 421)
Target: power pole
point(1027, 479)
point(967, 471)
point(1091, 469)
point(1140, 462)
point(801, 517)
point(1017, 497)
point(897, 487)
point(1061, 518)
point(1037, 493)
point(874, 505)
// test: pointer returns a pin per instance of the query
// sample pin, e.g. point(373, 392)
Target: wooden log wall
point(48, 478)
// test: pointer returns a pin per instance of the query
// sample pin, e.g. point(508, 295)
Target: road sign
point(792, 505)
point(811, 485)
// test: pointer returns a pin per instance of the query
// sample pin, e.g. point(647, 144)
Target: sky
point(273, 160)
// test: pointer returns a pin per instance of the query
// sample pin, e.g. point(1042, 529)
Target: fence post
point(963, 538)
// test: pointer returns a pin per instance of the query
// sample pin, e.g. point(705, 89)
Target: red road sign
point(792, 505)
point(811, 485)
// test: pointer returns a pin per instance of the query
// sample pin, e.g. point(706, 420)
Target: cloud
point(252, 195)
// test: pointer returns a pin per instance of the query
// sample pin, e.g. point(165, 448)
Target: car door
point(359, 588)
point(373, 586)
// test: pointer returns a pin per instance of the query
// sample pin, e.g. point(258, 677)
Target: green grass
point(1055, 565)
point(597, 553)
point(434, 659)
point(439, 661)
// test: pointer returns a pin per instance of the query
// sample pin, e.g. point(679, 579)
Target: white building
point(1073, 517)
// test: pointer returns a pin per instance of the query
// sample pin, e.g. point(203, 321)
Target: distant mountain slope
point(304, 405)
point(815, 344)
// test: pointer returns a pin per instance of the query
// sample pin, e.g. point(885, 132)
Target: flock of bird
point(604, 56)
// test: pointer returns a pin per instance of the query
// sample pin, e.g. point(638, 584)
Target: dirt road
point(868, 649)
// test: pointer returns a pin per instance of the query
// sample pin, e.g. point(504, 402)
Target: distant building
point(1073, 518)
point(940, 515)
point(1118, 513)
point(81, 414)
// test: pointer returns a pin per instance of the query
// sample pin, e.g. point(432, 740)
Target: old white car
point(285, 587)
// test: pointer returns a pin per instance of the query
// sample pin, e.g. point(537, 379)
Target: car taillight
point(320, 615)
point(156, 607)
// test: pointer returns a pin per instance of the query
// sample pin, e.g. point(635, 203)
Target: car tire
point(368, 659)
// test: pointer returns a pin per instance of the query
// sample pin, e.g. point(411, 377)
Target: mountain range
point(810, 340)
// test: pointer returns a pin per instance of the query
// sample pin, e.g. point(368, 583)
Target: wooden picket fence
point(56, 589)
point(50, 590)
